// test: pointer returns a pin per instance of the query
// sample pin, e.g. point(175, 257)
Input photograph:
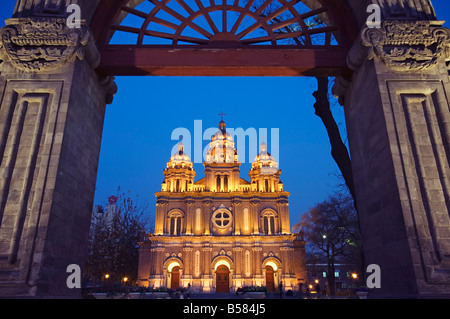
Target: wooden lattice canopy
point(223, 37)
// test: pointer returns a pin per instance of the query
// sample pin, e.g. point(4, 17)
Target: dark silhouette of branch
point(339, 150)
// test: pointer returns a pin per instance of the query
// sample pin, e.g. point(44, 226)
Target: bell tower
point(179, 173)
point(221, 162)
point(264, 174)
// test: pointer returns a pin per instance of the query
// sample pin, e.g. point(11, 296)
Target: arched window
point(225, 183)
point(175, 223)
point(218, 183)
point(268, 223)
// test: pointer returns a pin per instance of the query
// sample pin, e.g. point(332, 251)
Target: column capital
point(46, 44)
point(402, 45)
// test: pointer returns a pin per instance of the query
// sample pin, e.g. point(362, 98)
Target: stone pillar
point(51, 119)
point(238, 265)
point(189, 217)
point(257, 264)
point(237, 215)
point(254, 220)
point(188, 263)
point(398, 123)
point(160, 219)
point(208, 275)
point(283, 212)
point(207, 215)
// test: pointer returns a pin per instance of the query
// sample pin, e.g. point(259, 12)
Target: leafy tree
point(331, 230)
point(114, 241)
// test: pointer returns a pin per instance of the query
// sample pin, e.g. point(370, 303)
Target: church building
point(222, 232)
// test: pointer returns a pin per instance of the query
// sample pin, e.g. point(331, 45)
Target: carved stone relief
point(403, 46)
point(46, 44)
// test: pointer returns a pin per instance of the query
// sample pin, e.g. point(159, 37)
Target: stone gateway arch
point(392, 81)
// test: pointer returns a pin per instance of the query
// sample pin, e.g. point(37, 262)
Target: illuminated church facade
point(222, 232)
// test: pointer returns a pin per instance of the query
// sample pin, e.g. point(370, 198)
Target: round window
point(221, 218)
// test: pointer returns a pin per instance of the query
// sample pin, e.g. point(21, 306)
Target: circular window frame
point(215, 219)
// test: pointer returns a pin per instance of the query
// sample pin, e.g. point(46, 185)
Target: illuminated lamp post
point(105, 278)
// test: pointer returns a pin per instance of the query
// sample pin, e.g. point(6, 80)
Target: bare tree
point(339, 150)
point(332, 233)
point(113, 245)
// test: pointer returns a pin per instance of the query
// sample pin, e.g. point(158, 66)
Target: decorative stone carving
point(419, 9)
point(340, 86)
point(46, 44)
point(110, 87)
point(236, 201)
point(403, 46)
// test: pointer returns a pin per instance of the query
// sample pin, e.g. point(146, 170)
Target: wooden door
point(222, 279)
point(175, 281)
point(270, 281)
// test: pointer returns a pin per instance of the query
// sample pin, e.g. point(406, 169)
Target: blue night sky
point(138, 126)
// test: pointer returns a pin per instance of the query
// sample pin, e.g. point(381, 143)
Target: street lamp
point(355, 278)
point(125, 279)
point(105, 286)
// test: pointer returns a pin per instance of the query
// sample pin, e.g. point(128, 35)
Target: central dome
point(221, 148)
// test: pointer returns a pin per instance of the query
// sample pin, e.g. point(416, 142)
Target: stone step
point(9, 275)
point(13, 290)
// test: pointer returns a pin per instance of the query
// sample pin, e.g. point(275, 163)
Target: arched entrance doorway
point(173, 273)
point(271, 270)
point(222, 279)
point(175, 278)
point(270, 278)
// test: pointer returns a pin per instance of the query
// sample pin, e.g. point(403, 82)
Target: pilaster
point(52, 110)
point(398, 123)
